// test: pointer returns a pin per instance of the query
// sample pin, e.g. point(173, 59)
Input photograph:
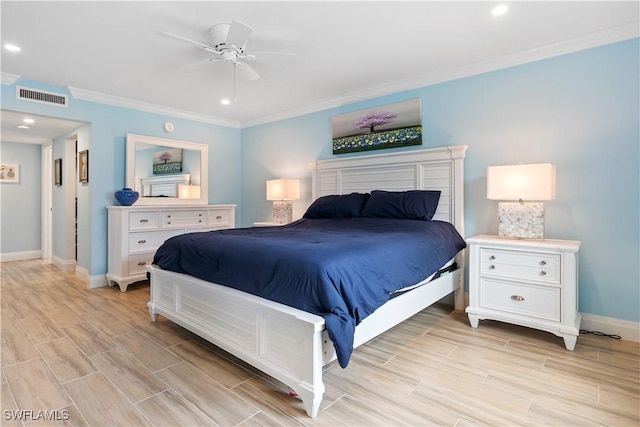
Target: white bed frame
point(292, 345)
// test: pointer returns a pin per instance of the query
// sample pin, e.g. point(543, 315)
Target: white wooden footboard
point(289, 344)
point(281, 341)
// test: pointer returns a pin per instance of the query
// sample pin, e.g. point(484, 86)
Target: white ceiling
point(345, 51)
point(41, 131)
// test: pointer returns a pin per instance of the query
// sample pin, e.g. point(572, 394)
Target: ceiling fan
point(228, 42)
point(227, 45)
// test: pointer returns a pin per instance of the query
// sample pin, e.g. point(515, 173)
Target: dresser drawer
point(541, 302)
point(521, 265)
point(187, 218)
point(143, 220)
point(138, 263)
point(220, 217)
point(145, 241)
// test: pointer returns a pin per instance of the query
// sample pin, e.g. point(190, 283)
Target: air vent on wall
point(41, 96)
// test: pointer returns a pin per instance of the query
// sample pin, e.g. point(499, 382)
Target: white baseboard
point(20, 256)
point(64, 264)
point(99, 281)
point(626, 329)
point(92, 282)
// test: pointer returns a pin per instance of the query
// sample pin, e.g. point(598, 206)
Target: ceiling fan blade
point(188, 41)
point(279, 56)
point(205, 61)
point(246, 71)
point(238, 34)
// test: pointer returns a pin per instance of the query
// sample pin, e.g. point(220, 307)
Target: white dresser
point(135, 232)
point(525, 282)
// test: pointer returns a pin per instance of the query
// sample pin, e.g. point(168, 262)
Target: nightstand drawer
point(521, 265)
point(529, 300)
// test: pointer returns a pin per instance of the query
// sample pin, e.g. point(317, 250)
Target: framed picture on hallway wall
point(83, 166)
point(57, 172)
point(9, 172)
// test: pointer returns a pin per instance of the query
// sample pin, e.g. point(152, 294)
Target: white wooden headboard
point(430, 169)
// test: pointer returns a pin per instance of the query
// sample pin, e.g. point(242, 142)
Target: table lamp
point(186, 191)
point(524, 183)
point(282, 191)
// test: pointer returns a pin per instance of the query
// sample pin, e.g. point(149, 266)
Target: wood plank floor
point(93, 357)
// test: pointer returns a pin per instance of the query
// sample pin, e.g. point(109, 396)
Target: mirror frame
point(133, 140)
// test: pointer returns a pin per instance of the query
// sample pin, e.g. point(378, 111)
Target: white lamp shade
point(522, 182)
point(186, 191)
point(283, 189)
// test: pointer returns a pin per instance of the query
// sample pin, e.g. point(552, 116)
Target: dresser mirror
point(167, 171)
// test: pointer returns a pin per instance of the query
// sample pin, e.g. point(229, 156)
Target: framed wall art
point(57, 172)
point(388, 126)
point(83, 166)
point(166, 161)
point(10, 172)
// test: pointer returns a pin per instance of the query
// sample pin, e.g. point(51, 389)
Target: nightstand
point(531, 283)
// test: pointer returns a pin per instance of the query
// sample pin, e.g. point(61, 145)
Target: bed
point(292, 344)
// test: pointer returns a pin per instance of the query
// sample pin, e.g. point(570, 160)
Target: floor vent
point(41, 96)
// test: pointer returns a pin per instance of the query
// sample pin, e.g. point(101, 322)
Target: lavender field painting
point(167, 160)
point(393, 125)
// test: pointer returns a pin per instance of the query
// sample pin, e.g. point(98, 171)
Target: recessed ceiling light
point(225, 101)
point(499, 10)
point(29, 121)
point(11, 47)
point(23, 127)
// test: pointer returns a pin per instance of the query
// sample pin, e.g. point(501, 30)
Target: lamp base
point(521, 220)
point(282, 212)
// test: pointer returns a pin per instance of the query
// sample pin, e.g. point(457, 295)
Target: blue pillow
point(337, 206)
point(412, 204)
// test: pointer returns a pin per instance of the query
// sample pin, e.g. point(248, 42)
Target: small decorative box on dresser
point(530, 283)
point(135, 232)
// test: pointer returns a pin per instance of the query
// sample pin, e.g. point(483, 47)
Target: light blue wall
point(109, 126)
point(579, 111)
point(20, 203)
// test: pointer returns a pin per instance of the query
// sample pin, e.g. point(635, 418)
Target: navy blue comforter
point(341, 269)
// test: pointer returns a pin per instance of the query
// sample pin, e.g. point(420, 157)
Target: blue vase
point(126, 196)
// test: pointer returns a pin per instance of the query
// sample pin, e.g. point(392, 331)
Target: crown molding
point(102, 98)
point(588, 41)
point(8, 78)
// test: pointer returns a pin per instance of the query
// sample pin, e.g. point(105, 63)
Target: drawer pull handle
point(168, 222)
point(141, 263)
point(517, 297)
point(144, 220)
point(543, 273)
point(492, 267)
point(492, 257)
point(200, 221)
point(168, 216)
point(219, 217)
point(199, 214)
point(142, 242)
point(543, 262)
